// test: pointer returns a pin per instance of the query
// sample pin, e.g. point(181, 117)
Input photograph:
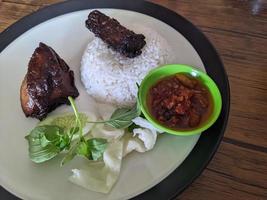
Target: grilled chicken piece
point(47, 84)
point(115, 35)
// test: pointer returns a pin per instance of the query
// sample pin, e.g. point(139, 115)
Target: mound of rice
point(111, 78)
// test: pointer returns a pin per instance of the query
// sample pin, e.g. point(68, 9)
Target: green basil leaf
point(96, 155)
point(92, 149)
point(44, 142)
point(52, 134)
point(64, 142)
point(39, 154)
point(120, 112)
point(97, 146)
point(83, 149)
point(122, 117)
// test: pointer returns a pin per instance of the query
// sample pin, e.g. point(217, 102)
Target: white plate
point(68, 36)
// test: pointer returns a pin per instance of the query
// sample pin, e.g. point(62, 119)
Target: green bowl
point(168, 70)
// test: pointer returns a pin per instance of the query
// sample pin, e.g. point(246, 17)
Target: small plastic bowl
point(168, 70)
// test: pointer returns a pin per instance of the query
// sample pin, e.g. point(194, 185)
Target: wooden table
point(238, 30)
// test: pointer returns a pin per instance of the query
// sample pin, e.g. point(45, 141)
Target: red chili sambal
point(180, 102)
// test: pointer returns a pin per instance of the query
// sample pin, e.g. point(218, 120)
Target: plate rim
point(207, 53)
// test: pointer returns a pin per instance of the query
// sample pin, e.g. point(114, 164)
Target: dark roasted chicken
point(115, 35)
point(47, 84)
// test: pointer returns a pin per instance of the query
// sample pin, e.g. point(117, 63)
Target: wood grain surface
point(238, 30)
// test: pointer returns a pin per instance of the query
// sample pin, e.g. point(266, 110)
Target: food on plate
point(53, 135)
point(111, 124)
point(57, 134)
point(107, 142)
point(114, 127)
point(115, 35)
point(111, 78)
point(47, 84)
point(180, 102)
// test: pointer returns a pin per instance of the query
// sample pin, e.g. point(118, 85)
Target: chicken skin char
point(47, 84)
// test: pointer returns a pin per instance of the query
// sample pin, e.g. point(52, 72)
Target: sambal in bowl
point(180, 99)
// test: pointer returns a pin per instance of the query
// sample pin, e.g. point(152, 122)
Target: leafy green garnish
point(50, 138)
point(96, 147)
point(122, 117)
point(45, 142)
point(92, 149)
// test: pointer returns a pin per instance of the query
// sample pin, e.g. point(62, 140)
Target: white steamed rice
point(111, 78)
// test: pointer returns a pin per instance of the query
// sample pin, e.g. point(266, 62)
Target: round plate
point(159, 174)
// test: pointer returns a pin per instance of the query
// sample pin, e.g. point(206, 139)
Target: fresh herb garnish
point(122, 117)
point(91, 149)
point(47, 141)
point(96, 147)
